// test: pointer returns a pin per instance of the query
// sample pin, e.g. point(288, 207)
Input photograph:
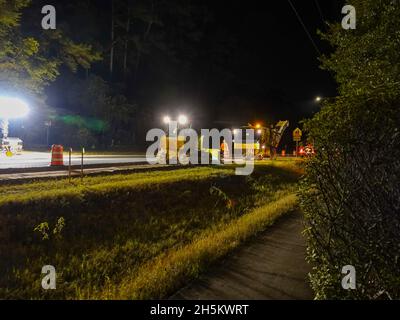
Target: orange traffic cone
point(57, 155)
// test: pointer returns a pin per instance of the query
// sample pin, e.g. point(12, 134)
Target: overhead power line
point(304, 27)
point(320, 11)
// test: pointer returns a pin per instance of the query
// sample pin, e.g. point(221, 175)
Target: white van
point(15, 145)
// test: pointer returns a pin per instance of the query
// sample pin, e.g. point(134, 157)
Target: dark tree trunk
point(128, 23)
point(112, 39)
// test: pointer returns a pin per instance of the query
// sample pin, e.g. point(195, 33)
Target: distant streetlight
point(182, 119)
point(318, 99)
point(11, 108)
point(167, 119)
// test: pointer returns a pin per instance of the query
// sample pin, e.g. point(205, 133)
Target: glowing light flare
point(166, 119)
point(11, 108)
point(182, 119)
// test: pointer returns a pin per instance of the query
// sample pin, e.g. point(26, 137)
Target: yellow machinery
point(266, 139)
point(169, 148)
point(213, 153)
point(265, 143)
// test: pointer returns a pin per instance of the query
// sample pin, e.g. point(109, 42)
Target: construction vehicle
point(169, 148)
point(266, 140)
point(307, 151)
point(11, 144)
point(265, 143)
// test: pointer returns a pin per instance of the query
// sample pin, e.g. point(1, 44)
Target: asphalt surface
point(272, 267)
point(42, 159)
point(30, 159)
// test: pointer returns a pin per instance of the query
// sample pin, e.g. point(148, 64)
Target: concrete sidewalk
point(272, 266)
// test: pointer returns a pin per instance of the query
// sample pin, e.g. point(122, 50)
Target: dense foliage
point(351, 191)
point(21, 64)
point(109, 62)
point(29, 63)
point(106, 234)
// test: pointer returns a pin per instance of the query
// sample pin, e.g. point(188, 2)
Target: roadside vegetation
point(138, 235)
point(351, 191)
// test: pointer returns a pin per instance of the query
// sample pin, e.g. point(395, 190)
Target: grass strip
point(62, 189)
point(165, 274)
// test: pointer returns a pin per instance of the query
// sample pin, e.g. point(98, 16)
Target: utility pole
point(48, 125)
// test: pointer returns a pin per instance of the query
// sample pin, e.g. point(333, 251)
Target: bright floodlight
point(167, 119)
point(318, 99)
point(11, 108)
point(182, 119)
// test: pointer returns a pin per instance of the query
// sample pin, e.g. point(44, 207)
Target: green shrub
point(351, 200)
point(351, 191)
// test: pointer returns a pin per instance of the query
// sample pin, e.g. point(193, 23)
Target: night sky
point(276, 62)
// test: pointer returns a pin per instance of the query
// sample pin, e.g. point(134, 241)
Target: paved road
point(42, 159)
point(270, 267)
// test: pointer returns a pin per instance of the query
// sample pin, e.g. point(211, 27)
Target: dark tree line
point(110, 63)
